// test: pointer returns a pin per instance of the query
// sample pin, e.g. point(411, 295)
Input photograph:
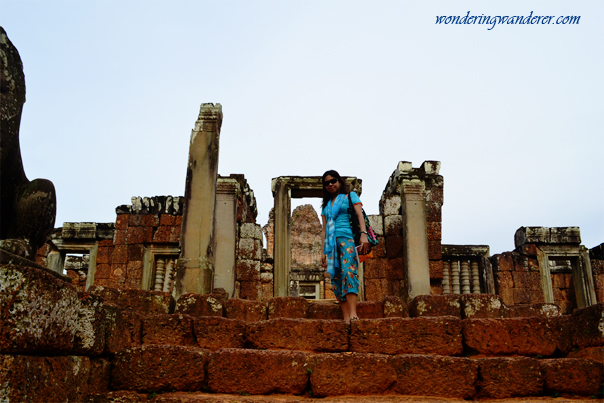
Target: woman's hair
point(326, 194)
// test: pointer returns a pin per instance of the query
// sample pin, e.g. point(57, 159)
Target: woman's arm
point(364, 247)
point(323, 256)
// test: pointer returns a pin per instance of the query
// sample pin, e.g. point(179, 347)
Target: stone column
point(225, 234)
point(416, 263)
point(196, 263)
point(282, 251)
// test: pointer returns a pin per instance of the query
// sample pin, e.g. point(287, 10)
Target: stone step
point(157, 368)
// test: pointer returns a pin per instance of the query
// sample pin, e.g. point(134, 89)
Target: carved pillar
point(196, 263)
point(446, 284)
point(282, 251)
point(415, 263)
point(465, 277)
point(225, 234)
point(455, 277)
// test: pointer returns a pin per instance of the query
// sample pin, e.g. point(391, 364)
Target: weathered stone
point(287, 307)
point(251, 290)
point(325, 311)
point(588, 326)
point(523, 336)
point(539, 310)
point(482, 306)
point(509, 377)
point(51, 379)
point(395, 269)
point(299, 334)
point(502, 262)
point(435, 250)
point(351, 373)
point(393, 225)
point(390, 205)
point(121, 221)
point(434, 231)
point(407, 336)
point(377, 224)
point(593, 353)
point(249, 248)
point(375, 268)
point(375, 289)
point(142, 301)
point(157, 368)
point(90, 335)
point(435, 376)
point(174, 329)
point(250, 230)
point(215, 332)
point(394, 307)
point(38, 312)
point(273, 371)
point(123, 329)
point(246, 310)
point(435, 305)
point(436, 269)
point(573, 375)
point(530, 280)
point(394, 246)
point(247, 270)
point(200, 305)
point(370, 309)
point(119, 396)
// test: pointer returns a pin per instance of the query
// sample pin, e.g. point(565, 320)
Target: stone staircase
point(112, 345)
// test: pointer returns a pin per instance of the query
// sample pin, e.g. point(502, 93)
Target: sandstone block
point(530, 280)
point(246, 310)
point(123, 330)
point(200, 305)
point(394, 246)
point(135, 235)
point(166, 219)
point(251, 290)
point(148, 234)
point(370, 309)
point(592, 353)
point(214, 332)
point(120, 254)
point(135, 252)
point(390, 205)
point(394, 270)
point(523, 336)
point(434, 230)
point(541, 310)
point(273, 371)
point(267, 291)
point(573, 375)
point(521, 295)
point(162, 234)
point(249, 249)
point(299, 334)
point(39, 312)
point(435, 250)
point(250, 230)
point(119, 237)
point(527, 249)
point(157, 368)
point(433, 212)
point(393, 225)
point(152, 220)
point(90, 335)
point(142, 301)
point(174, 329)
point(440, 336)
point(325, 311)
point(379, 251)
point(588, 326)
point(482, 306)
point(248, 270)
point(435, 305)
point(287, 307)
point(394, 307)
point(351, 373)
point(509, 377)
point(103, 255)
point(377, 224)
point(121, 221)
point(136, 220)
point(504, 279)
point(51, 379)
point(502, 262)
point(375, 268)
point(435, 376)
point(436, 269)
point(375, 289)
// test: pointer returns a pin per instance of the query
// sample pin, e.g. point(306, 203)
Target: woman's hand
point(364, 248)
point(324, 260)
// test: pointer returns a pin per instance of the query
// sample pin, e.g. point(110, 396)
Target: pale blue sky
point(515, 114)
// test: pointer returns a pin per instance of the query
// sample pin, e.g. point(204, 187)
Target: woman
point(340, 256)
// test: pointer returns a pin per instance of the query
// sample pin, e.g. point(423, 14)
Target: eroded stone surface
point(299, 334)
point(174, 329)
point(351, 373)
point(573, 376)
point(200, 305)
point(325, 311)
point(593, 353)
point(482, 306)
point(258, 372)
point(51, 379)
point(142, 301)
point(156, 368)
point(435, 305)
point(435, 375)
point(509, 377)
point(287, 307)
point(524, 336)
point(440, 335)
point(395, 307)
point(246, 310)
point(216, 332)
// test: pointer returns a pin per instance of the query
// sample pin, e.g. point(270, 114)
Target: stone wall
point(596, 257)
point(517, 277)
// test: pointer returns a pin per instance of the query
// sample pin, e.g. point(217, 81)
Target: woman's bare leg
point(351, 301)
point(345, 310)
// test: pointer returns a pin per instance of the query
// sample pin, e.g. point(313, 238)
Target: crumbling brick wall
point(517, 277)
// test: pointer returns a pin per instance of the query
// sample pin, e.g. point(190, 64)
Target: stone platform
point(129, 345)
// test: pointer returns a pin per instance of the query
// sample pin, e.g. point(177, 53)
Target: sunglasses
point(330, 182)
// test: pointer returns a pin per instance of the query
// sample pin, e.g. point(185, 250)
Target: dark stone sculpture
point(28, 209)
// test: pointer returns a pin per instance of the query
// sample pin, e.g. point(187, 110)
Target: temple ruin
point(180, 294)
